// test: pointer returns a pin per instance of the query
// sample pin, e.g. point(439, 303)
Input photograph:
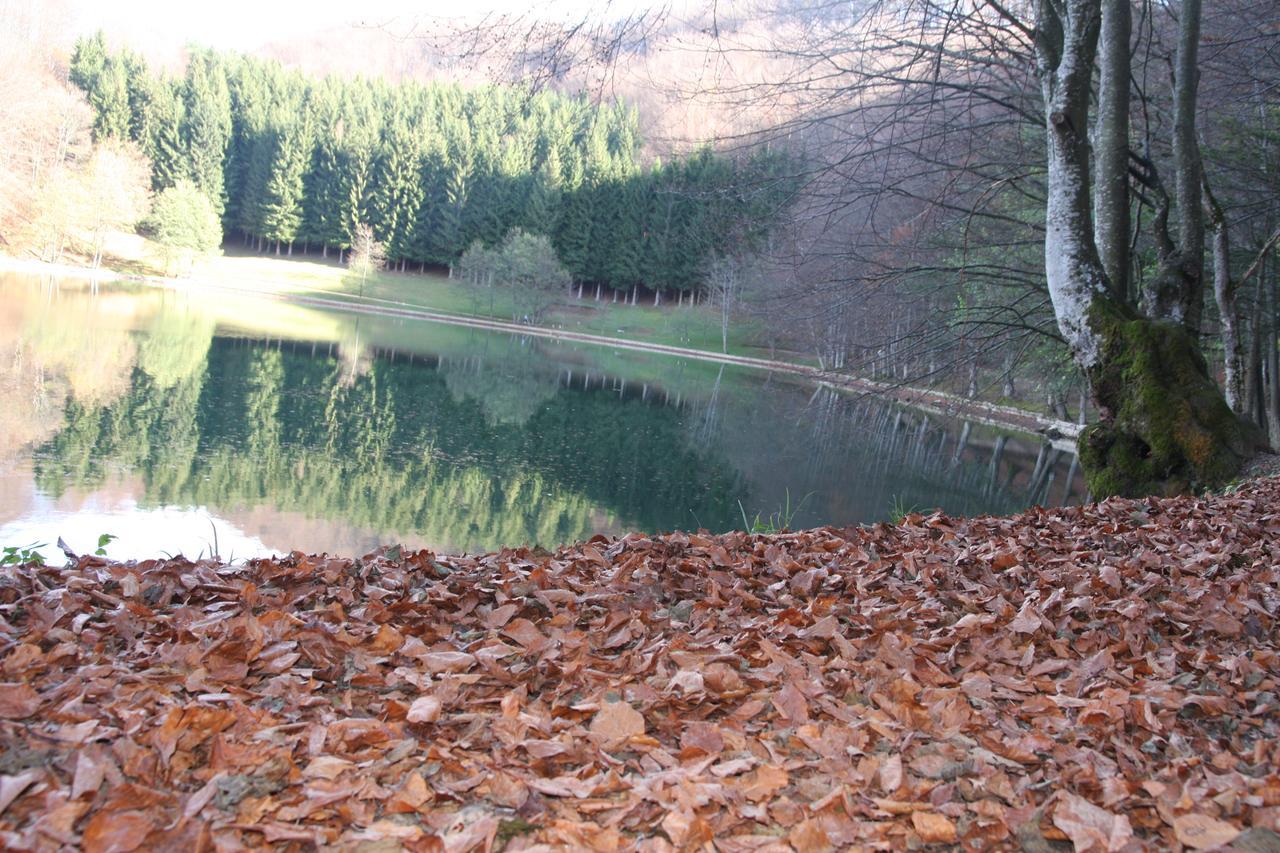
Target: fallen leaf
point(116, 832)
point(1090, 827)
point(617, 721)
point(448, 661)
point(425, 709)
point(326, 767)
point(686, 830)
point(933, 828)
point(18, 701)
point(891, 774)
point(1201, 832)
point(808, 836)
point(764, 782)
point(792, 705)
point(11, 787)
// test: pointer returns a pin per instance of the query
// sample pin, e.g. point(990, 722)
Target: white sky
point(246, 24)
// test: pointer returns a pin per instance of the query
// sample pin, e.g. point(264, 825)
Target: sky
point(163, 25)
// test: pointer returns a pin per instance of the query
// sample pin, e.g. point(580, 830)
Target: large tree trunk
point(1273, 360)
point(1176, 292)
point(1189, 169)
point(1111, 203)
point(1224, 292)
point(1253, 376)
point(1164, 427)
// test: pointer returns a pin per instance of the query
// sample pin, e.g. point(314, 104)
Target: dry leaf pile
point(1102, 676)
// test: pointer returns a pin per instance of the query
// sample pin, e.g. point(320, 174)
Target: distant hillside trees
point(289, 161)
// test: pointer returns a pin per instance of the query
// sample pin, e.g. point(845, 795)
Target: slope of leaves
point(1102, 676)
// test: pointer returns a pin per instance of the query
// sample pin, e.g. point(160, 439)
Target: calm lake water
point(184, 422)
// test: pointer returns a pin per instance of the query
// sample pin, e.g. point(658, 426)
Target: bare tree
point(367, 254)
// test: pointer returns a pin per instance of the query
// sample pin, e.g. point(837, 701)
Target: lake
point(197, 422)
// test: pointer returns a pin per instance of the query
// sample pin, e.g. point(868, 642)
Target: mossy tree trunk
point(1164, 426)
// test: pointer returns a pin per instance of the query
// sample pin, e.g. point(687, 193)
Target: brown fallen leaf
point(387, 640)
point(792, 705)
point(11, 787)
point(934, 828)
point(1090, 827)
point(448, 661)
point(1201, 832)
point(616, 721)
point(808, 836)
point(704, 736)
point(18, 701)
point(890, 774)
point(411, 795)
point(425, 709)
point(686, 830)
point(116, 832)
point(90, 771)
point(1028, 619)
point(326, 767)
point(763, 782)
point(526, 634)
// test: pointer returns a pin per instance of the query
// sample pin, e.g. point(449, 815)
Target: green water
point(191, 422)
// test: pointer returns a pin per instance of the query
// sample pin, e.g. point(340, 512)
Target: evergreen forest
point(294, 163)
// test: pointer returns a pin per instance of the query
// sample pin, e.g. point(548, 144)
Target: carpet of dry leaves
point(1102, 676)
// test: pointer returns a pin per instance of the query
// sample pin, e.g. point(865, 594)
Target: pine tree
point(163, 144)
point(573, 238)
point(321, 209)
point(289, 146)
point(207, 125)
point(104, 78)
point(397, 191)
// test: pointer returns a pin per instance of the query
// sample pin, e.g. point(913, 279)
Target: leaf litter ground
point(1101, 677)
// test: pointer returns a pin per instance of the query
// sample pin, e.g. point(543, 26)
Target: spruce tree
point(289, 146)
point(397, 190)
point(207, 125)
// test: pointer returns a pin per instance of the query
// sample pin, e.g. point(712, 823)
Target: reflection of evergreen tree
point(486, 446)
point(152, 430)
point(263, 388)
point(394, 449)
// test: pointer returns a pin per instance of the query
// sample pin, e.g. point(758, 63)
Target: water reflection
point(323, 431)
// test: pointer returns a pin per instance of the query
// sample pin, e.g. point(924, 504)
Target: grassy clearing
point(693, 327)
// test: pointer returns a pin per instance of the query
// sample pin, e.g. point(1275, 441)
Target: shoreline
point(1060, 433)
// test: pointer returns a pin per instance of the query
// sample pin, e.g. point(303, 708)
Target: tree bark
point(1190, 169)
point(1176, 293)
point(1253, 377)
point(1273, 360)
point(1224, 292)
point(1111, 205)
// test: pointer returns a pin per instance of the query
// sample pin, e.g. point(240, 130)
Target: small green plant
point(900, 509)
point(103, 541)
point(777, 521)
point(16, 555)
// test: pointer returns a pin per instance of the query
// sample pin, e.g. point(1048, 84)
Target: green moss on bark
point(1166, 427)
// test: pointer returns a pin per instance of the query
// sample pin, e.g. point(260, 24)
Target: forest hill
point(431, 168)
